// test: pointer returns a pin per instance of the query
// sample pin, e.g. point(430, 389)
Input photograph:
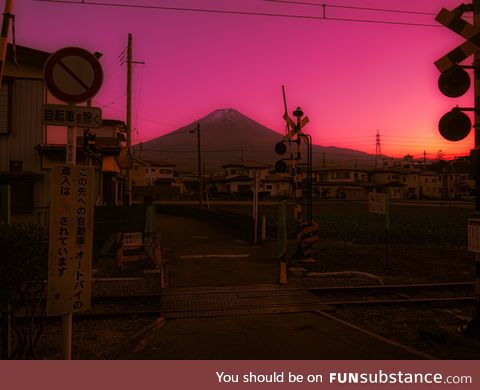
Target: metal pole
point(199, 158)
point(474, 325)
point(299, 181)
point(7, 15)
point(71, 159)
point(255, 207)
point(129, 114)
point(264, 227)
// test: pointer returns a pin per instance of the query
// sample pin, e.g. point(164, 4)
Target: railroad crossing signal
point(295, 129)
point(455, 125)
point(454, 81)
point(454, 21)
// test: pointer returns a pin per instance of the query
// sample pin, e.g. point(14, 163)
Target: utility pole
point(255, 207)
point(7, 15)
point(5, 325)
point(129, 115)
point(130, 62)
point(199, 165)
point(199, 151)
point(378, 150)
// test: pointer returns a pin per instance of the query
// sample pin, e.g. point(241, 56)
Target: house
point(29, 149)
point(217, 185)
point(247, 168)
point(109, 159)
point(277, 185)
point(341, 183)
point(149, 173)
point(389, 181)
point(155, 179)
point(456, 181)
point(430, 185)
point(22, 95)
point(240, 177)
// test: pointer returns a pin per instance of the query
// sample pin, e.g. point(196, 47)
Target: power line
point(228, 12)
point(352, 7)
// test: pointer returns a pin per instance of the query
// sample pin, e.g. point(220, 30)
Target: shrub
point(23, 272)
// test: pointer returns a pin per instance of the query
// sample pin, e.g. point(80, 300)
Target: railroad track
point(265, 299)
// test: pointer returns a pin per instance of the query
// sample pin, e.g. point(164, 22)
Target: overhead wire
point(235, 12)
point(351, 7)
point(113, 68)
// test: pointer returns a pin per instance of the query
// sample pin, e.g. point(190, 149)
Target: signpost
point(455, 125)
point(474, 235)
point(70, 249)
point(72, 75)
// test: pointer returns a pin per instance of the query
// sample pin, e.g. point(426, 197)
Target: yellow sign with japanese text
point(70, 241)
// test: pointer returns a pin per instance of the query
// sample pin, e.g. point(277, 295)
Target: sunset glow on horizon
point(351, 77)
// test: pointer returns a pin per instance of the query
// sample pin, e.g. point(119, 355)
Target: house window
point(22, 196)
point(355, 175)
point(268, 187)
point(6, 107)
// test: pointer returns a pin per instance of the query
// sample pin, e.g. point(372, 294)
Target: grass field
point(425, 243)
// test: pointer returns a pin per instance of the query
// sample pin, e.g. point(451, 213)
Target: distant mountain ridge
point(228, 136)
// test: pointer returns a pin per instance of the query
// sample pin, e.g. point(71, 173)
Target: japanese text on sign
point(70, 249)
point(474, 235)
point(377, 203)
point(73, 116)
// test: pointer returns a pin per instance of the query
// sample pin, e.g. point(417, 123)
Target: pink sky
point(350, 78)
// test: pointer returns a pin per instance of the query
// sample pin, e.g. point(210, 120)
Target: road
point(223, 302)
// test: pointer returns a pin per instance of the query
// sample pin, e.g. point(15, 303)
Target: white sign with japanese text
point(70, 241)
point(132, 239)
point(474, 235)
point(71, 116)
point(377, 203)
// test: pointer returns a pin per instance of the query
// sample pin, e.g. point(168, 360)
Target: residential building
point(22, 95)
point(341, 183)
point(29, 149)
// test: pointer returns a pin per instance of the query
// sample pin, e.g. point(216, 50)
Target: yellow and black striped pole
point(7, 15)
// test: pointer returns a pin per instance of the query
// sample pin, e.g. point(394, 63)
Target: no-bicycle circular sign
point(73, 74)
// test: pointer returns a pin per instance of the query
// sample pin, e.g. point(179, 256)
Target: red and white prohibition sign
point(73, 74)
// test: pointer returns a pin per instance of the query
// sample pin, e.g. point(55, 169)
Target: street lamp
point(199, 156)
